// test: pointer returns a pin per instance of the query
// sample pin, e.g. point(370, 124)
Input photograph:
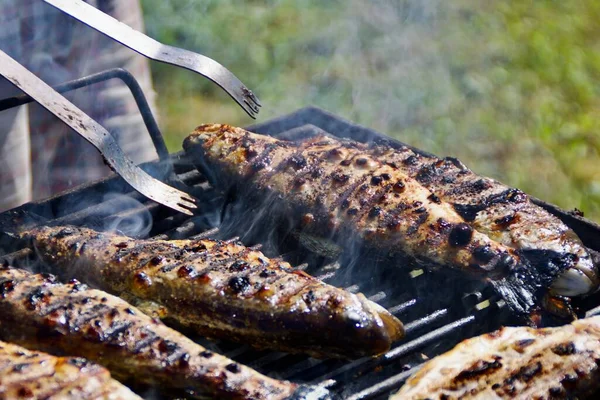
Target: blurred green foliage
point(510, 87)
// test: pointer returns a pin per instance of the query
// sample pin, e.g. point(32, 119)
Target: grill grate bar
point(428, 338)
point(385, 386)
point(432, 325)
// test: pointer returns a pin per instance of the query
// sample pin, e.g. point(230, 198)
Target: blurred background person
point(39, 155)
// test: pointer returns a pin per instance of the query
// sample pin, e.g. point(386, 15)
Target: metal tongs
point(94, 133)
point(157, 51)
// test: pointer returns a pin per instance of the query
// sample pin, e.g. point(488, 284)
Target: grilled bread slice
point(515, 363)
point(223, 289)
point(38, 312)
point(28, 374)
point(334, 186)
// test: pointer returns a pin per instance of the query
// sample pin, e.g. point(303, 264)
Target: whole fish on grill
point(38, 312)
point(29, 374)
point(505, 214)
point(223, 289)
point(334, 187)
point(515, 363)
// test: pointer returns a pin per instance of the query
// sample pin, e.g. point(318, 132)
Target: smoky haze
point(509, 89)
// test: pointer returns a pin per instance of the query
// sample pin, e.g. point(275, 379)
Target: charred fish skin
point(38, 312)
point(549, 363)
point(340, 186)
point(223, 289)
point(28, 374)
point(505, 214)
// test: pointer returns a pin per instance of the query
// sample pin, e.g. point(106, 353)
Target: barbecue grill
point(438, 311)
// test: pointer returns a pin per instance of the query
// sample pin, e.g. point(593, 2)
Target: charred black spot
point(523, 343)
point(352, 211)
point(508, 196)
point(167, 346)
point(484, 254)
point(414, 227)
point(239, 265)
point(448, 180)
point(297, 162)
point(6, 287)
point(68, 231)
point(434, 199)
point(506, 221)
point(298, 182)
point(129, 311)
point(239, 284)
point(399, 187)
point(420, 210)
point(376, 180)
point(233, 368)
point(481, 185)
point(309, 297)
point(528, 372)
point(317, 172)
point(426, 174)
point(334, 153)
point(25, 392)
point(142, 279)
point(549, 263)
point(386, 177)
point(564, 349)
point(443, 225)
point(393, 223)
point(460, 235)
point(345, 204)
point(506, 262)
point(412, 160)
point(156, 260)
point(184, 360)
point(265, 273)
point(77, 286)
point(480, 367)
point(374, 212)
point(186, 271)
point(457, 163)
point(78, 362)
point(469, 211)
point(35, 296)
point(260, 163)
point(340, 178)
point(361, 161)
point(19, 367)
point(206, 354)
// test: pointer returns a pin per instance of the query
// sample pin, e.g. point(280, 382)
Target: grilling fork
point(157, 51)
point(94, 133)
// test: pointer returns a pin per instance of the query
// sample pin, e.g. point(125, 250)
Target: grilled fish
point(223, 289)
point(505, 214)
point(345, 186)
point(38, 312)
point(28, 374)
point(515, 363)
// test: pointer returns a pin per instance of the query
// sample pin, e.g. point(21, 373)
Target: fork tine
point(251, 106)
point(96, 134)
point(157, 51)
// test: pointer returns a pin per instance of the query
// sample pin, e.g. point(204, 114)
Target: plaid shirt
point(39, 155)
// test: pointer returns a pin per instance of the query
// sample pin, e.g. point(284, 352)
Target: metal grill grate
point(437, 311)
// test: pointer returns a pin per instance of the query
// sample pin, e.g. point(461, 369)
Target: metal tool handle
point(94, 133)
point(155, 50)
